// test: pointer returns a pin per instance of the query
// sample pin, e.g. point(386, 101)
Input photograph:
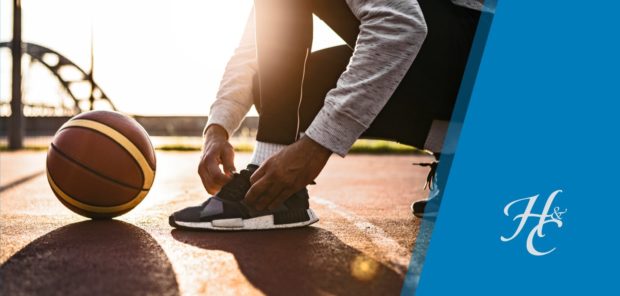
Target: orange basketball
point(101, 164)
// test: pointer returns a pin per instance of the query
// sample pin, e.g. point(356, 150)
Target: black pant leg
point(430, 87)
point(283, 41)
point(339, 17)
point(427, 92)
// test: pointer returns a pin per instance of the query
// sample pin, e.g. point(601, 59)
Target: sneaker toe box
point(189, 214)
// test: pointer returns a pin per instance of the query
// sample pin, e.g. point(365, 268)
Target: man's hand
point(285, 173)
point(216, 151)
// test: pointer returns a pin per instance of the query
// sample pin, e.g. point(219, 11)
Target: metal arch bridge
point(55, 63)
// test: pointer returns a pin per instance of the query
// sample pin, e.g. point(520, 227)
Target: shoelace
point(430, 178)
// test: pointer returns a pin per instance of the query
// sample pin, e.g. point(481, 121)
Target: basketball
point(101, 164)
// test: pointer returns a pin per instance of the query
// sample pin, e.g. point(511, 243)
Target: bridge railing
point(183, 126)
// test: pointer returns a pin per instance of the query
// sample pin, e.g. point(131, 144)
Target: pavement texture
point(361, 245)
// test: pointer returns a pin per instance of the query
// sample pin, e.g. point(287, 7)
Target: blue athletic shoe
point(428, 208)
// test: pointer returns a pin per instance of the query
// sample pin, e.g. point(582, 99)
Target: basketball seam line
point(93, 171)
point(118, 137)
point(114, 210)
point(106, 124)
point(135, 161)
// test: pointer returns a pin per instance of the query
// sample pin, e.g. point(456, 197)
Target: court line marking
point(20, 181)
point(396, 255)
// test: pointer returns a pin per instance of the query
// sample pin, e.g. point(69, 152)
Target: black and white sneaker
point(226, 210)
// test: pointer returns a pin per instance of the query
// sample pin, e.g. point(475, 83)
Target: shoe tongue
point(248, 171)
point(236, 189)
point(252, 168)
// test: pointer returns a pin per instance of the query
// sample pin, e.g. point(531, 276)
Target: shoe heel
point(291, 216)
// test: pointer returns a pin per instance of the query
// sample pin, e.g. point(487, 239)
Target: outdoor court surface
point(361, 245)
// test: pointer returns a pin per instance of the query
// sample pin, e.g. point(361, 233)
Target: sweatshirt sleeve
point(234, 97)
point(391, 34)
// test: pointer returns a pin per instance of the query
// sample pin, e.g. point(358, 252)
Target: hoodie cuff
point(335, 130)
point(222, 121)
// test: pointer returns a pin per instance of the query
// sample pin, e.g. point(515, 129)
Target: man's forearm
point(216, 131)
point(235, 97)
point(391, 35)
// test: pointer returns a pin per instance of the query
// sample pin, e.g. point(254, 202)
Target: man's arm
point(234, 97)
point(234, 100)
point(391, 35)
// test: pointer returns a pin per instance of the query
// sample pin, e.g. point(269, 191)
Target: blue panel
point(543, 116)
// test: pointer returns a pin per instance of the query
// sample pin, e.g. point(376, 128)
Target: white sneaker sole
point(424, 215)
point(258, 223)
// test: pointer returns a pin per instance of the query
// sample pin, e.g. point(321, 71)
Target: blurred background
point(159, 61)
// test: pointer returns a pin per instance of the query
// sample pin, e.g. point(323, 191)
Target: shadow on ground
point(90, 258)
point(304, 261)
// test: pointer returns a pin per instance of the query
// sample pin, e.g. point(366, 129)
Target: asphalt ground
point(361, 245)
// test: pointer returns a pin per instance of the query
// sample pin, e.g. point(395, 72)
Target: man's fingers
point(228, 160)
point(258, 174)
point(256, 190)
point(266, 198)
point(204, 177)
point(215, 174)
point(280, 199)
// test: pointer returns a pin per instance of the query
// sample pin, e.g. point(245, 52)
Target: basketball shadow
point(304, 261)
point(106, 257)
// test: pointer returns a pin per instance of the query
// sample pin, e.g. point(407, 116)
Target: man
point(400, 69)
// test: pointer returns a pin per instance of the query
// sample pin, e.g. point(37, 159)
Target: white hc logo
point(544, 218)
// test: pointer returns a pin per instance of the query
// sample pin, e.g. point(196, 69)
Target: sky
point(156, 57)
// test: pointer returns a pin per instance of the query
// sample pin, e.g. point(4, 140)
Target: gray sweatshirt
point(391, 34)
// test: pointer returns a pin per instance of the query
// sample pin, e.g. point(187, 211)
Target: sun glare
point(151, 57)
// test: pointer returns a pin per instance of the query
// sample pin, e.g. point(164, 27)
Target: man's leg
point(283, 40)
point(436, 76)
point(436, 182)
point(427, 92)
point(283, 37)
